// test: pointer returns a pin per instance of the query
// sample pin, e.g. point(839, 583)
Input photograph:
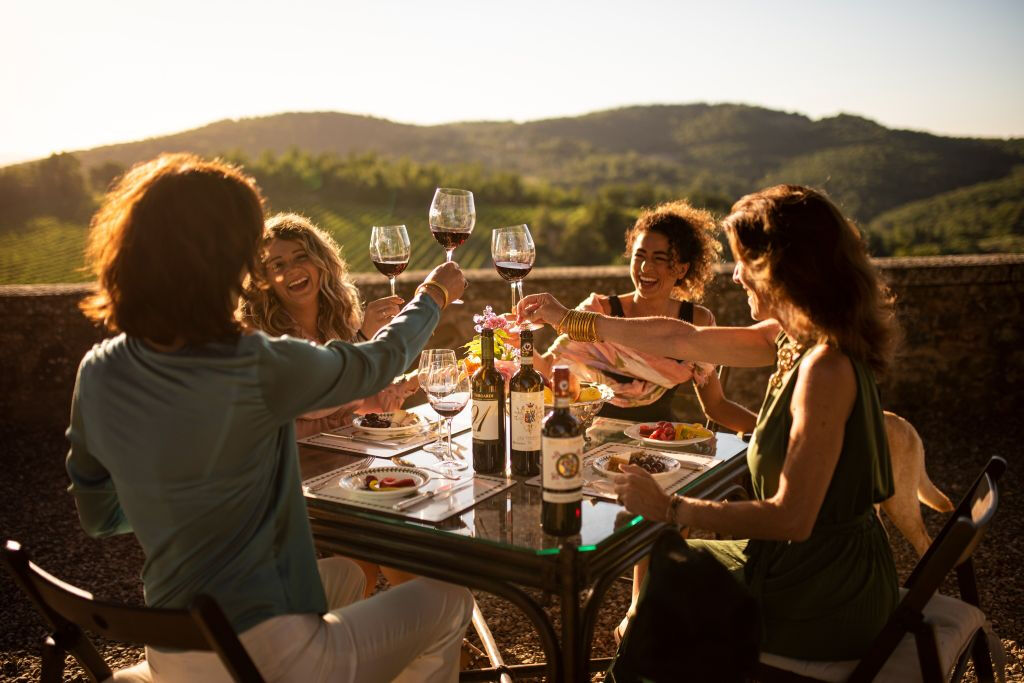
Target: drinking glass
point(448, 390)
point(514, 253)
point(428, 357)
point(389, 251)
point(452, 217)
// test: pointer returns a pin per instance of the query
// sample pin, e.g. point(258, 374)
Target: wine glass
point(389, 251)
point(514, 253)
point(452, 217)
point(428, 357)
point(448, 390)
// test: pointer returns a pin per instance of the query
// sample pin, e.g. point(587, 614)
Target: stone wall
point(962, 355)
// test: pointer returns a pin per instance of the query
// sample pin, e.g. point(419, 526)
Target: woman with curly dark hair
point(814, 552)
point(672, 251)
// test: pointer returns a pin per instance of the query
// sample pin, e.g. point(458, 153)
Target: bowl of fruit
point(589, 398)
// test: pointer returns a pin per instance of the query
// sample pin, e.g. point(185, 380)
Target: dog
point(912, 485)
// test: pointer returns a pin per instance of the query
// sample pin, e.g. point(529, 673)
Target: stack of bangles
point(440, 288)
point(579, 325)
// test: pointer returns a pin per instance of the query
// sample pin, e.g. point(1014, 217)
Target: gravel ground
point(36, 510)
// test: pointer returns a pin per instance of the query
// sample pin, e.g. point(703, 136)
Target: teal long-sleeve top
point(194, 451)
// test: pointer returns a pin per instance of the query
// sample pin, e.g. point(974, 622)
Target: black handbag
point(694, 621)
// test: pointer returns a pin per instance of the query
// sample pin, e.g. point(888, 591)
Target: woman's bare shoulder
point(702, 316)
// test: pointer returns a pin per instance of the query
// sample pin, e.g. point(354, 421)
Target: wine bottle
point(562, 464)
point(526, 390)
point(488, 411)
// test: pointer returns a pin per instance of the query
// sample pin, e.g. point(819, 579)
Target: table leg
point(574, 667)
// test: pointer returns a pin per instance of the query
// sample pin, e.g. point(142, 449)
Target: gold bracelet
point(559, 328)
point(580, 325)
point(440, 288)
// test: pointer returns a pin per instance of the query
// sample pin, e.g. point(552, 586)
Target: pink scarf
point(654, 374)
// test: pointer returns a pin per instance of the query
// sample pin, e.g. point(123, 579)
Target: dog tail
point(929, 494)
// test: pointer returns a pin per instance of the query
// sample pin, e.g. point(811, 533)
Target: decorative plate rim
point(633, 432)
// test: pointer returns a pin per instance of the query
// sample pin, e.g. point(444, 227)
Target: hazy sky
point(78, 74)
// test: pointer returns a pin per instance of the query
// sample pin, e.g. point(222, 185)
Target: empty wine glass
point(448, 390)
point(389, 251)
point(452, 217)
point(514, 253)
point(428, 357)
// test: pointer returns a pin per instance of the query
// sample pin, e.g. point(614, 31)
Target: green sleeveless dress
point(827, 597)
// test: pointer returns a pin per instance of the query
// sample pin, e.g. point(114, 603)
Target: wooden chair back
point(951, 549)
point(67, 610)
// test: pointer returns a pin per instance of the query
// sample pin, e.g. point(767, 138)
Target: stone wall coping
point(906, 270)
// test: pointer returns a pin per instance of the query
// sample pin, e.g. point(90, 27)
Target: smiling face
point(292, 275)
point(652, 266)
point(760, 309)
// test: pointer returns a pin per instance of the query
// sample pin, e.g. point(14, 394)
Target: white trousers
point(410, 633)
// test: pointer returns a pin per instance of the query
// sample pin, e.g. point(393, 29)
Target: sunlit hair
point(811, 264)
point(170, 245)
point(339, 313)
point(691, 236)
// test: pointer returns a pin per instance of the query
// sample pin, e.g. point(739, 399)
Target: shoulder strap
point(686, 311)
point(616, 306)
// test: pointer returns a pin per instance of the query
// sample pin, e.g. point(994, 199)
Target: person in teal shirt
point(182, 432)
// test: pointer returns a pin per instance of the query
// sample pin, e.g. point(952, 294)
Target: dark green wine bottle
point(526, 405)
point(562, 463)
point(488, 411)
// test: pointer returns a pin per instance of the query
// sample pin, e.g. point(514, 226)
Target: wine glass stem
point(392, 281)
point(519, 289)
point(448, 432)
point(514, 300)
point(448, 254)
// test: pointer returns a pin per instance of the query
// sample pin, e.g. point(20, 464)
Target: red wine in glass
point(449, 239)
point(390, 251)
point(511, 271)
point(451, 219)
point(448, 409)
point(391, 268)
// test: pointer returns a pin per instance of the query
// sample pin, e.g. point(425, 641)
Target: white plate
point(386, 432)
point(671, 465)
point(352, 484)
point(633, 432)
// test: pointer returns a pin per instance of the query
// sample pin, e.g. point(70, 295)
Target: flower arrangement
point(505, 353)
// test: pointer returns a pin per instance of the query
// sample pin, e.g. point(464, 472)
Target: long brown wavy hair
point(170, 245)
point(691, 236)
point(339, 314)
point(811, 263)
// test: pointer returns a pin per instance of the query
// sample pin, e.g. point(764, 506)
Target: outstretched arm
point(752, 346)
point(822, 400)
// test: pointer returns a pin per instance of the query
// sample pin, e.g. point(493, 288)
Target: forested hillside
point(577, 181)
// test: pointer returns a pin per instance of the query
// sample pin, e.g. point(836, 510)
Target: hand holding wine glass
point(452, 217)
point(514, 253)
point(389, 250)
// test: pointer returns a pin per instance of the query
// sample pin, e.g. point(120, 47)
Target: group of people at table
point(234, 335)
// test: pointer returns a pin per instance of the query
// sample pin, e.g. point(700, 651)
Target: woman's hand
point(379, 313)
point(540, 308)
point(449, 276)
point(641, 494)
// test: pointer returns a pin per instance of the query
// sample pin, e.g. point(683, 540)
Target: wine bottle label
point(485, 420)
point(562, 496)
point(562, 463)
point(527, 414)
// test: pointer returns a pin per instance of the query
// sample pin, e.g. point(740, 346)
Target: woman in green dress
point(817, 557)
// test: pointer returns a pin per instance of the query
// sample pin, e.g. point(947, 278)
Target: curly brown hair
point(691, 234)
point(339, 312)
point(811, 263)
point(170, 245)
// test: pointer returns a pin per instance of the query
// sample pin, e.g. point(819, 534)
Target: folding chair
point(68, 610)
point(927, 633)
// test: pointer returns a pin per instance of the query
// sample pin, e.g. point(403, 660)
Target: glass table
point(498, 545)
